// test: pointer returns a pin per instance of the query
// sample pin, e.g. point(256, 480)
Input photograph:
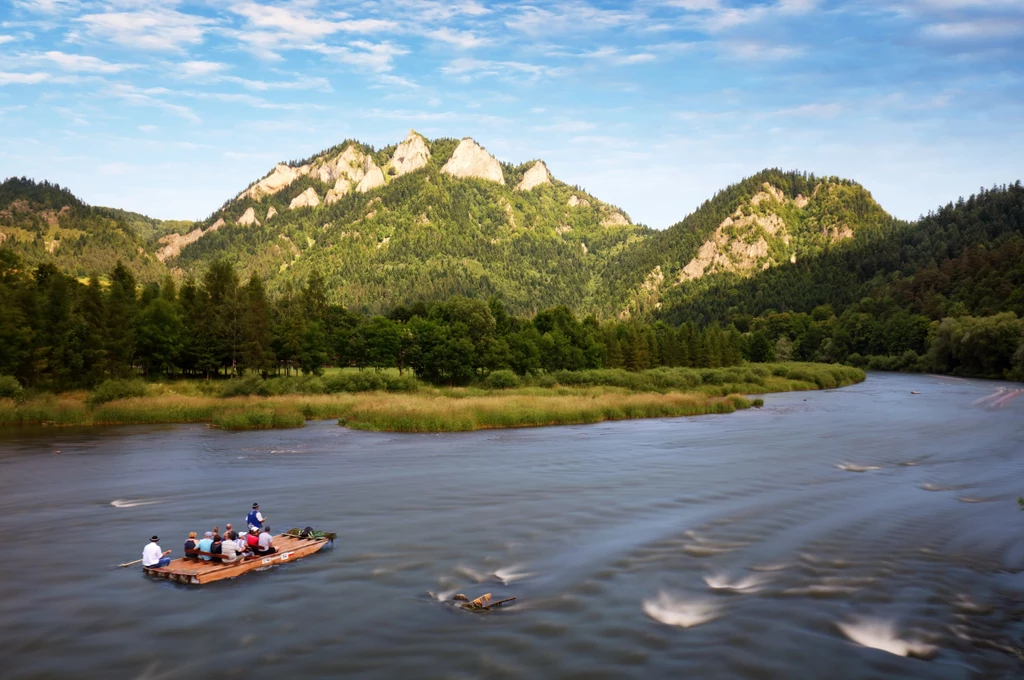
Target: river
point(865, 532)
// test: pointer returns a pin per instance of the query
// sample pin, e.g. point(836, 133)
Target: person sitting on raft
point(152, 555)
point(217, 547)
point(190, 544)
point(252, 541)
point(229, 549)
point(255, 518)
point(205, 545)
point(266, 542)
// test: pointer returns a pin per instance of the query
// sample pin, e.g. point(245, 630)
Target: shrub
point(757, 403)
point(502, 380)
point(780, 371)
point(111, 390)
point(257, 417)
point(249, 386)
point(800, 374)
point(10, 388)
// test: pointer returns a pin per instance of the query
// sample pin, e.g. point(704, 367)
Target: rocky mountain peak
point(537, 174)
point(411, 155)
point(472, 160)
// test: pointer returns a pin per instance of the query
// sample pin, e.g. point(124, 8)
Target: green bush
point(111, 390)
point(780, 371)
point(250, 386)
point(757, 403)
point(258, 417)
point(502, 380)
point(800, 374)
point(10, 388)
point(370, 381)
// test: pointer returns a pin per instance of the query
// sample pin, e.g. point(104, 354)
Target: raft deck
point(197, 572)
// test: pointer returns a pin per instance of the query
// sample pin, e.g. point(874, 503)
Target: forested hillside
point(771, 218)
point(44, 222)
point(419, 221)
point(945, 293)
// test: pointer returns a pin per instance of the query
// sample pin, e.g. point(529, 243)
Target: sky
point(171, 108)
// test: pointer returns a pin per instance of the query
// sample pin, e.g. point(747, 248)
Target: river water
point(857, 533)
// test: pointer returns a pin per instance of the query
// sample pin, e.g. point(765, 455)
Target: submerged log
point(480, 604)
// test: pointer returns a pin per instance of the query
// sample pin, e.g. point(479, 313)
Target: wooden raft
point(197, 572)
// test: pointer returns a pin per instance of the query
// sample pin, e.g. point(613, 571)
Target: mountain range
point(428, 219)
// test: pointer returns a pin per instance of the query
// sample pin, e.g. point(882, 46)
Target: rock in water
point(534, 177)
point(472, 160)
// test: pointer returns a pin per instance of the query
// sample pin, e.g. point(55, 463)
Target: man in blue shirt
point(255, 518)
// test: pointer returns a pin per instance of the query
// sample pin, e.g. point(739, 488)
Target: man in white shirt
point(153, 557)
point(229, 549)
point(266, 546)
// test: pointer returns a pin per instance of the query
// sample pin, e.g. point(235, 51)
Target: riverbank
point(558, 399)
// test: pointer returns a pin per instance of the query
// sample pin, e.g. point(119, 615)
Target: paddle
point(128, 564)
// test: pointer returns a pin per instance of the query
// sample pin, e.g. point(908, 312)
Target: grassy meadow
point(386, 401)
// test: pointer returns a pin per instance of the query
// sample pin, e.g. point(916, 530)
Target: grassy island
point(393, 403)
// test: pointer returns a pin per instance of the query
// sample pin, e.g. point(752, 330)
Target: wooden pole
point(128, 564)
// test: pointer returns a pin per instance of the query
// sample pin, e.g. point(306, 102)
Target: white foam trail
point(881, 634)
point(778, 566)
point(123, 503)
point(722, 582)
point(853, 467)
point(471, 574)
point(673, 611)
point(444, 595)
point(511, 574)
point(998, 393)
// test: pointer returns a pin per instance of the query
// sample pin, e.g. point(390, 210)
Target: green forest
point(59, 333)
point(456, 279)
point(943, 294)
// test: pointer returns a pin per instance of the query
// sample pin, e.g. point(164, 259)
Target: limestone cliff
point(472, 160)
point(248, 218)
point(173, 243)
point(373, 177)
point(281, 176)
point(534, 177)
point(411, 155)
point(307, 199)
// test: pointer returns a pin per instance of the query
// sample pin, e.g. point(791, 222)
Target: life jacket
point(252, 520)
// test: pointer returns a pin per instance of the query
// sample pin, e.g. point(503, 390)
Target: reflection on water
point(721, 546)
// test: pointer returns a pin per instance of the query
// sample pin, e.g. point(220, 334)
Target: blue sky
point(170, 108)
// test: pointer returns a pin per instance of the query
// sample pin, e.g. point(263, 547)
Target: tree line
point(59, 332)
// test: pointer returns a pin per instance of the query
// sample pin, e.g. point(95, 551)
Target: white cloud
point(614, 56)
point(193, 69)
point(479, 67)
point(755, 51)
point(81, 63)
point(975, 29)
point(114, 168)
point(378, 57)
point(571, 17)
point(273, 28)
point(47, 6)
point(144, 97)
point(7, 78)
point(6, 39)
point(148, 128)
point(152, 29)
point(462, 39)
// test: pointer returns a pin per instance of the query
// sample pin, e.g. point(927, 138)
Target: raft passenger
point(252, 541)
point(229, 549)
point(266, 542)
point(190, 544)
point(205, 545)
point(153, 557)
